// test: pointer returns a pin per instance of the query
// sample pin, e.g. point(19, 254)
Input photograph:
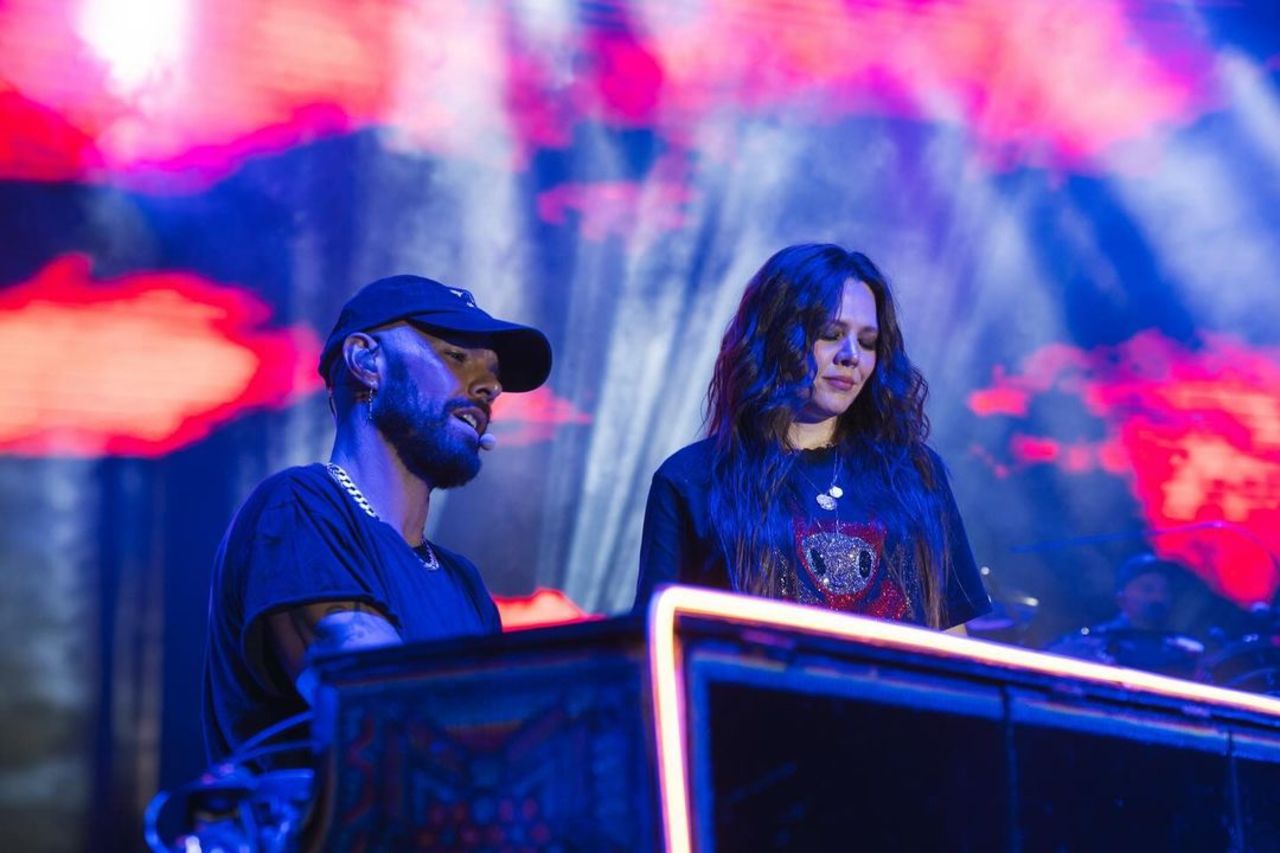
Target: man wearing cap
point(1139, 635)
point(330, 557)
point(1144, 594)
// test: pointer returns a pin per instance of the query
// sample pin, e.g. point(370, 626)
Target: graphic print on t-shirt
point(840, 565)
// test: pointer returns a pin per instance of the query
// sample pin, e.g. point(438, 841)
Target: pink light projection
point(179, 105)
point(178, 97)
point(1196, 433)
point(138, 365)
point(1012, 73)
point(524, 419)
point(608, 208)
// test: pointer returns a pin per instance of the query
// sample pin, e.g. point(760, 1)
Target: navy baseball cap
point(1147, 563)
point(524, 354)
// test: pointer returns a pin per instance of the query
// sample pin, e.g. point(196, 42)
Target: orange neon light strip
point(668, 685)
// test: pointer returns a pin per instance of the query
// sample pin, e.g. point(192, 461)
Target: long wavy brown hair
point(763, 377)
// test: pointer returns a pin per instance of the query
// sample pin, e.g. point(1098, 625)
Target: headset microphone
point(488, 442)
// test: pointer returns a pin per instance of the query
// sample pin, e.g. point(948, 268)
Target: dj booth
point(733, 723)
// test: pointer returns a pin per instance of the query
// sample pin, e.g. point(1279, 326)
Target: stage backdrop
point(1075, 199)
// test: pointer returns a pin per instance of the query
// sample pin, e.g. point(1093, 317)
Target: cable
point(254, 755)
point(243, 786)
point(268, 733)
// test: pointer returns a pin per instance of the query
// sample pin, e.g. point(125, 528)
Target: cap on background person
point(1145, 563)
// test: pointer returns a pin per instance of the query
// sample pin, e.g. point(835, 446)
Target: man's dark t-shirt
point(838, 560)
point(301, 539)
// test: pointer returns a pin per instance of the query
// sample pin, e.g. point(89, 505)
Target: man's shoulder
point(289, 487)
point(1116, 624)
point(267, 511)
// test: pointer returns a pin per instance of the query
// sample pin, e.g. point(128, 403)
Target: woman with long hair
point(814, 483)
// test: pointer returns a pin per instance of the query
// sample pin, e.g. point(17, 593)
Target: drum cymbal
point(1251, 663)
point(1010, 609)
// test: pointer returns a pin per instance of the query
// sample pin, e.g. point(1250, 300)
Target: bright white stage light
point(138, 39)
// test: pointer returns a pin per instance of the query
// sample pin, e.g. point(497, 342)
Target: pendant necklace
point(827, 499)
point(423, 552)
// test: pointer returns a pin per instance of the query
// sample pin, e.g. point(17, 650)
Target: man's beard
point(421, 434)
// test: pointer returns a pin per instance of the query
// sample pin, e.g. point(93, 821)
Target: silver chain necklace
point(340, 476)
point(829, 498)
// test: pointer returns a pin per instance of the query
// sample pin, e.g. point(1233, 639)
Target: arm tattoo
point(329, 626)
point(353, 629)
point(297, 634)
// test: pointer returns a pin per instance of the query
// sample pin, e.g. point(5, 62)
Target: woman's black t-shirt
point(839, 558)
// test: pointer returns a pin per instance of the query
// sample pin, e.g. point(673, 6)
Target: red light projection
point(523, 419)
point(37, 143)
point(1195, 432)
point(138, 365)
point(172, 96)
point(147, 363)
point(545, 607)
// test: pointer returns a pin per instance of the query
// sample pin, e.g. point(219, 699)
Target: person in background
point(1144, 594)
point(815, 483)
point(1140, 635)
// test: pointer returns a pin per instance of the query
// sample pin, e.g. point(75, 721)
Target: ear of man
point(354, 373)
point(360, 356)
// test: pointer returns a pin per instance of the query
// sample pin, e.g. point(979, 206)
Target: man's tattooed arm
point(297, 634)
